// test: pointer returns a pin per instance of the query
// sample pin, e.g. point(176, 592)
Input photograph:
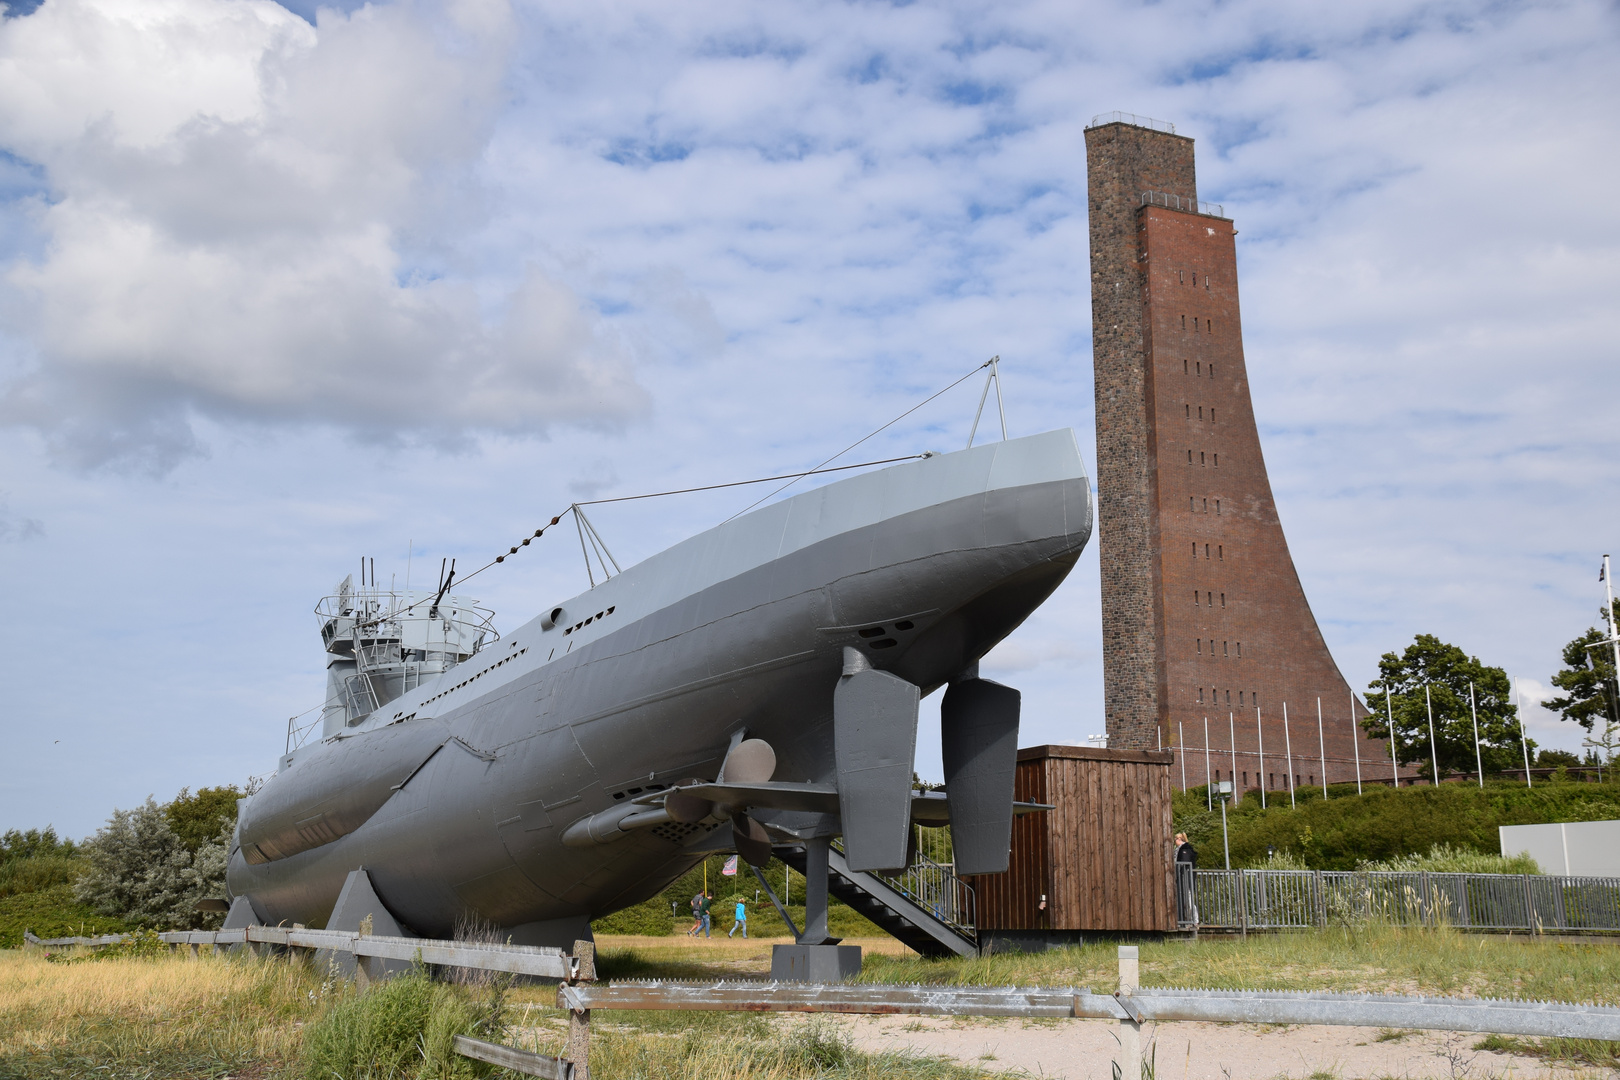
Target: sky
point(285, 286)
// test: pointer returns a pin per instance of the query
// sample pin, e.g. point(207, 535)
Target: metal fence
point(1246, 900)
point(937, 890)
point(1177, 202)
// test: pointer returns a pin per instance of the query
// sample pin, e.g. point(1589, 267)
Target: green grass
point(1345, 830)
point(1568, 1052)
point(1377, 960)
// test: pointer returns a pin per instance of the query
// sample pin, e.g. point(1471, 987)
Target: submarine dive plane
point(754, 685)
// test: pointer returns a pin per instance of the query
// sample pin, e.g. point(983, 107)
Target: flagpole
point(1355, 739)
point(1479, 763)
point(1434, 756)
point(1394, 747)
point(1288, 749)
point(1181, 752)
point(1524, 740)
point(1260, 740)
point(1231, 735)
point(1209, 783)
point(1321, 746)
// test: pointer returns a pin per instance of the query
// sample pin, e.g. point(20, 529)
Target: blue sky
point(280, 288)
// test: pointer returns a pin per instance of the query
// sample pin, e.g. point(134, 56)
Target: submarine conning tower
point(381, 643)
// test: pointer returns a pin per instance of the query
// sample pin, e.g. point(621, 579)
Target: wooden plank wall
point(1103, 857)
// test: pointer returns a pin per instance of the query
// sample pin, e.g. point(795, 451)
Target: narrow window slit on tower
point(1223, 599)
point(1200, 695)
point(1220, 552)
point(1217, 461)
point(1217, 508)
point(1206, 506)
point(1200, 646)
point(1184, 368)
point(1195, 598)
point(1223, 649)
point(1184, 322)
point(1206, 551)
point(1200, 457)
point(1190, 506)
point(1212, 414)
point(1189, 412)
point(1209, 598)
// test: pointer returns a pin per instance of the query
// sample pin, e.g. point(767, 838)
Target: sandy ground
point(1078, 1049)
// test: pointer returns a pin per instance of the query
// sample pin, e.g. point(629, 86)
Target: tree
point(1447, 672)
point(1587, 679)
point(197, 819)
point(141, 870)
point(33, 843)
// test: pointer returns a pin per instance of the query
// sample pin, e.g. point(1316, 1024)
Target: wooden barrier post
point(578, 1050)
point(1130, 1032)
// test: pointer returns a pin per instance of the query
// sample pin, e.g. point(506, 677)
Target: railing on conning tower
point(1135, 121)
point(1176, 202)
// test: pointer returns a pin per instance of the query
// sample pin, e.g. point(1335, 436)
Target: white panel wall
point(1576, 848)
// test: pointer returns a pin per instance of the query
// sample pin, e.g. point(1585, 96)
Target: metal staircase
point(926, 905)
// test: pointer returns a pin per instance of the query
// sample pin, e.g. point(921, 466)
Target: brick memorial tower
point(1203, 614)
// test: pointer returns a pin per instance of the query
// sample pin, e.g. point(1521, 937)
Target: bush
point(138, 868)
point(49, 913)
point(1345, 830)
point(1445, 859)
point(403, 1028)
point(36, 873)
point(650, 917)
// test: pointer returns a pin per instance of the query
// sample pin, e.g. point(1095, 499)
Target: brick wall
point(1122, 161)
point(1203, 612)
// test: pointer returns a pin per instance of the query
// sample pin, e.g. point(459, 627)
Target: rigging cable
point(585, 527)
point(858, 442)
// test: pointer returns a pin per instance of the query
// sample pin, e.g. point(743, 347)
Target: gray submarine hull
point(455, 798)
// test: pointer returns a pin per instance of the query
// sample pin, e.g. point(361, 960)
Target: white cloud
point(248, 217)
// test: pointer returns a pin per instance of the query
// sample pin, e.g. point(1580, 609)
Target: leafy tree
point(1447, 673)
point(141, 870)
point(33, 843)
point(1587, 679)
point(1551, 759)
point(197, 819)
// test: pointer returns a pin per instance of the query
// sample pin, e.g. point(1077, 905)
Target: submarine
point(754, 685)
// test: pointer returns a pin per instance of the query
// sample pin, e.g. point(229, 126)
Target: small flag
point(1603, 569)
point(730, 869)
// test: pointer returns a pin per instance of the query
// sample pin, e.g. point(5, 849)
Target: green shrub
point(1345, 830)
point(650, 917)
point(1445, 859)
point(401, 1028)
point(50, 913)
point(35, 873)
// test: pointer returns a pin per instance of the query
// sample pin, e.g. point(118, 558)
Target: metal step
point(888, 907)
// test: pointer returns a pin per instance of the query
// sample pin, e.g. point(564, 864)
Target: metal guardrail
point(534, 960)
point(1176, 202)
point(1245, 900)
point(1530, 1018)
point(1117, 117)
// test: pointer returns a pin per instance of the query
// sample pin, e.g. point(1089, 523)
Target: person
point(1186, 863)
point(740, 918)
point(705, 914)
point(697, 915)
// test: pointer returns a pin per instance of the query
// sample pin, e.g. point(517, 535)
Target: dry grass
point(150, 1016)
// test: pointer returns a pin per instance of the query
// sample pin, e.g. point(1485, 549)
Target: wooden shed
point(1103, 858)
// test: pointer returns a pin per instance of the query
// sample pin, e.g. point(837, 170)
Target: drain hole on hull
point(904, 624)
point(872, 631)
point(886, 643)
